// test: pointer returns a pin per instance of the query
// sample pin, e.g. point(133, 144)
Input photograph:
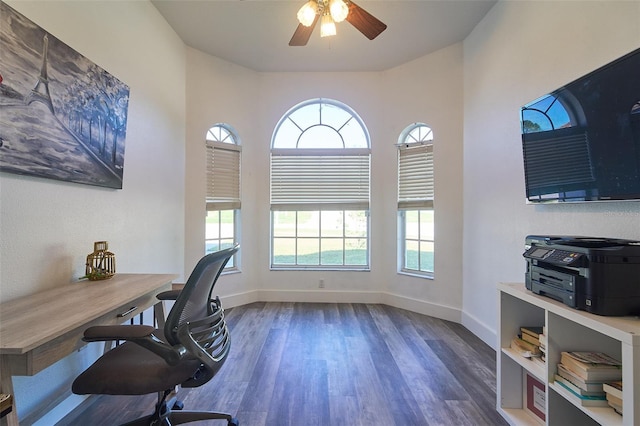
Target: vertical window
point(223, 190)
point(320, 161)
point(415, 201)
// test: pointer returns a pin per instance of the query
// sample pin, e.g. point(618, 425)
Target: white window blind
point(415, 176)
point(223, 176)
point(308, 180)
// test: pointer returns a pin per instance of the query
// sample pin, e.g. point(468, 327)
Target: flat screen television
point(581, 142)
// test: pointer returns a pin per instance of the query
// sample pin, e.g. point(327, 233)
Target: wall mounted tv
point(582, 141)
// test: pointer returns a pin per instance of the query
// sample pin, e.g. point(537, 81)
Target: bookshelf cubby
point(567, 329)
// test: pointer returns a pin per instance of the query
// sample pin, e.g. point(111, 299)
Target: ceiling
point(256, 33)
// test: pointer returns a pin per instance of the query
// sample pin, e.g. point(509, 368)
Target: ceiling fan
point(329, 12)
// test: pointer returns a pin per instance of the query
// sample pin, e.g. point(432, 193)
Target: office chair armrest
point(142, 335)
point(168, 295)
point(100, 333)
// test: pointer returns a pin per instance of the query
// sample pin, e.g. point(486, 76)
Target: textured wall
point(520, 51)
point(48, 227)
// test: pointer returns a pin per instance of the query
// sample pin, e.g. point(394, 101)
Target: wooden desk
point(42, 328)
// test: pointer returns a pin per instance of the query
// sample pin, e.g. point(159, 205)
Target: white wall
point(520, 51)
point(48, 227)
point(427, 90)
point(221, 92)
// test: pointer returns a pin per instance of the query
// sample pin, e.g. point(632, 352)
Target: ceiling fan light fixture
point(327, 26)
point(307, 13)
point(339, 10)
point(328, 12)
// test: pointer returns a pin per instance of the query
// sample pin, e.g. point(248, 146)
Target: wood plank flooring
point(305, 364)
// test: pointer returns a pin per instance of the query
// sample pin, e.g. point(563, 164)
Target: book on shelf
point(586, 401)
point(531, 339)
point(592, 365)
point(536, 335)
point(615, 403)
point(587, 385)
point(614, 394)
point(6, 402)
point(614, 400)
point(532, 331)
point(543, 342)
point(577, 389)
point(524, 348)
point(613, 388)
point(616, 408)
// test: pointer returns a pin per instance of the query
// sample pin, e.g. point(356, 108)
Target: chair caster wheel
point(233, 422)
point(178, 405)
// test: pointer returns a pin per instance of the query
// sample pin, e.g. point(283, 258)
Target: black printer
point(597, 275)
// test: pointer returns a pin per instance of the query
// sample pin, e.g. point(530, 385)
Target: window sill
point(427, 276)
point(316, 268)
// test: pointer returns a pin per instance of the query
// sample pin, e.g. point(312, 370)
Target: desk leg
point(6, 386)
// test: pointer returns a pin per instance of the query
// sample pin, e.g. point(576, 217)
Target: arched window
point(320, 160)
point(415, 200)
point(223, 189)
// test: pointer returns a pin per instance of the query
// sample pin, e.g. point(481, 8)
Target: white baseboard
point(239, 299)
point(423, 307)
point(323, 296)
point(480, 329)
point(318, 296)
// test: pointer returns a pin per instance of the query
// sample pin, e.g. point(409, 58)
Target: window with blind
point(320, 161)
point(415, 201)
point(223, 190)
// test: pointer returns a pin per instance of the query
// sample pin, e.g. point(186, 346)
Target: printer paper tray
point(564, 296)
point(550, 278)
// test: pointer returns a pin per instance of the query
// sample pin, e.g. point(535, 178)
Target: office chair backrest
point(194, 299)
point(195, 320)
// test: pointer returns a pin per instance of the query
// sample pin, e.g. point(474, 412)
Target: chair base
point(170, 412)
point(180, 417)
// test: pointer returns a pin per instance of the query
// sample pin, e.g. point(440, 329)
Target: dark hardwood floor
point(307, 364)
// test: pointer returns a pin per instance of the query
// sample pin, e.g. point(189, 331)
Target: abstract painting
point(61, 116)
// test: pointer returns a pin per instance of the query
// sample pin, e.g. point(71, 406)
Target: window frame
point(416, 192)
point(295, 191)
point(223, 139)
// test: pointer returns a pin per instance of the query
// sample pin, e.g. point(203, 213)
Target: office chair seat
point(188, 351)
point(130, 369)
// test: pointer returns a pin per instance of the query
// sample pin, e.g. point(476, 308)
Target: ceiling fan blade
point(302, 34)
point(365, 22)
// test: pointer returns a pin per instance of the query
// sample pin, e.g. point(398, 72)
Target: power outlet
point(321, 284)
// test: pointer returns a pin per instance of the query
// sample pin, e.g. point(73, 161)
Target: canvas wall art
point(61, 116)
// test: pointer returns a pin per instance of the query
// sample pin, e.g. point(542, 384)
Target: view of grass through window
point(419, 237)
point(219, 232)
point(320, 238)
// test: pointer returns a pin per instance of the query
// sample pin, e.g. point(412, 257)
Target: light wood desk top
point(42, 328)
point(30, 321)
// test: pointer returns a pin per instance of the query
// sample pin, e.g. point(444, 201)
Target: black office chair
point(189, 351)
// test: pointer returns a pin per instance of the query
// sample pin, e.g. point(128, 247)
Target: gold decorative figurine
point(101, 264)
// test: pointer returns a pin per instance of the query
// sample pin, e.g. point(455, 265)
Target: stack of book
point(613, 390)
point(6, 402)
point(542, 338)
point(527, 343)
point(583, 374)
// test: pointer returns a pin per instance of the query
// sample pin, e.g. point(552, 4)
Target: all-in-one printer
point(597, 275)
